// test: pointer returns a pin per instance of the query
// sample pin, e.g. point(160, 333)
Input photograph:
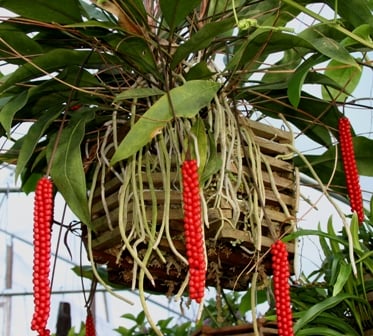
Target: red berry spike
point(194, 240)
point(281, 273)
point(43, 217)
point(89, 325)
point(350, 168)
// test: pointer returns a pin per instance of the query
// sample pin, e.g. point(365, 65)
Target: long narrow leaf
point(318, 308)
point(32, 137)
point(175, 11)
point(9, 110)
point(67, 11)
point(187, 100)
point(67, 167)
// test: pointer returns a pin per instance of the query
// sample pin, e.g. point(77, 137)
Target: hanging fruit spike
point(281, 273)
point(43, 217)
point(350, 168)
point(89, 325)
point(194, 240)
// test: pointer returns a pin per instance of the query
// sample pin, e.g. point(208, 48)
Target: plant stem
point(334, 25)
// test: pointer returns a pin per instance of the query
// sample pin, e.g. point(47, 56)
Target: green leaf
point(67, 166)
point(331, 321)
point(354, 228)
point(175, 11)
point(201, 39)
point(9, 110)
point(328, 46)
point(53, 60)
point(297, 80)
point(312, 331)
point(19, 41)
point(334, 246)
point(67, 11)
point(344, 273)
point(324, 164)
point(138, 93)
point(187, 100)
point(309, 232)
point(137, 53)
point(355, 12)
point(247, 53)
point(32, 137)
point(214, 162)
point(199, 71)
point(311, 313)
point(364, 31)
point(199, 130)
point(245, 304)
point(347, 76)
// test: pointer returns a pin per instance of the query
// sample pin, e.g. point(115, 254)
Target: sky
point(16, 219)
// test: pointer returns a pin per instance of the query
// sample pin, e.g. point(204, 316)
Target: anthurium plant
point(97, 83)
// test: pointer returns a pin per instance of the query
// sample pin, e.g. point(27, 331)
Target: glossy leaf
point(67, 166)
point(175, 11)
point(199, 71)
point(324, 39)
point(364, 31)
point(347, 76)
point(296, 81)
point(312, 331)
point(335, 248)
point(311, 232)
point(330, 48)
point(354, 228)
point(32, 137)
point(137, 53)
point(345, 271)
point(214, 162)
point(9, 110)
point(53, 60)
point(19, 41)
point(138, 93)
point(318, 308)
point(187, 100)
point(66, 11)
point(199, 131)
point(355, 12)
point(247, 53)
point(201, 39)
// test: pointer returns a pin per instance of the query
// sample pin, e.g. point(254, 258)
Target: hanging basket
point(240, 219)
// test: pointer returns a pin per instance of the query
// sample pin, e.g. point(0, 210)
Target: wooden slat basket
point(237, 234)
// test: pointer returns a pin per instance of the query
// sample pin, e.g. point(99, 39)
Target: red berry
point(43, 216)
point(350, 168)
point(194, 240)
point(280, 265)
point(89, 325)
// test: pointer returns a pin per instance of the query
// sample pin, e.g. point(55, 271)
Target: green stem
point(326, 21)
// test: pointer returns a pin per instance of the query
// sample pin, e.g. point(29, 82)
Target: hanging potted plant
point(150, 120)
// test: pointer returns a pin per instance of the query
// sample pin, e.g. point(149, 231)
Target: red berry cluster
point(281, 273)
point(43, 216)
point(89, 325)
point(350, 168)
point(193, 230)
